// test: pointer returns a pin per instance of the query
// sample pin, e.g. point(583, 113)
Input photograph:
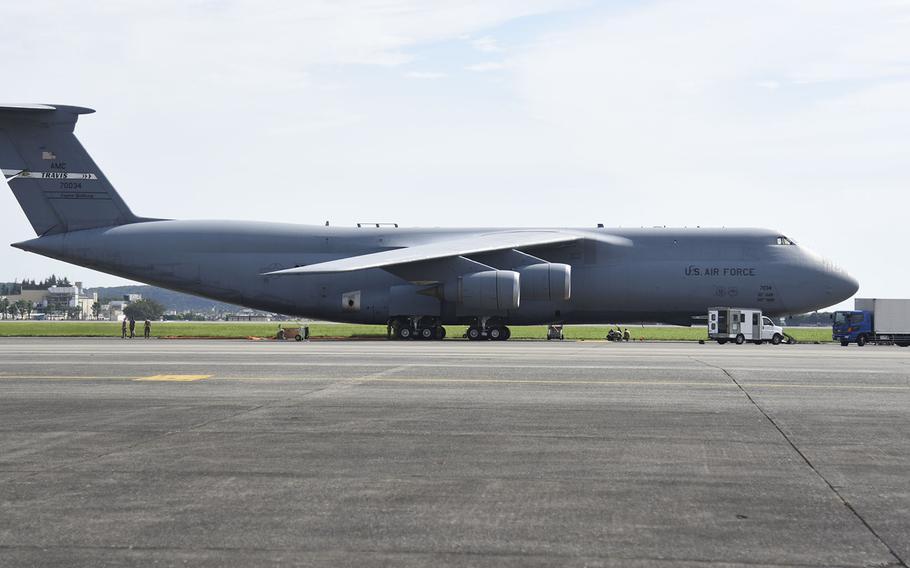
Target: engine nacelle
point(546, 281)
point(491, 290)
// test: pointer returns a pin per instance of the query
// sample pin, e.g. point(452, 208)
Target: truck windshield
point(844, 318)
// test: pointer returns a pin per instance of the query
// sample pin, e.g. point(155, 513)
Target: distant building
point(248, 315)
point(58, 302)
point(113, 310)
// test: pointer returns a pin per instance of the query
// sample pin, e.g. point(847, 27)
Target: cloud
point(425, 75)
point(485, 44)
point(486, 66)
point(746, 113)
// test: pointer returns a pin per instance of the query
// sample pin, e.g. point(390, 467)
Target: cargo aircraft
point(415, 280)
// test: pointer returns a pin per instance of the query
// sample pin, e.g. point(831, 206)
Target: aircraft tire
point(495, 334)
point(440, 332)
point(506, 333)
point(473, 334)
point(426, 332)
point(740, 339)
point(404, 332)
point(776, 339)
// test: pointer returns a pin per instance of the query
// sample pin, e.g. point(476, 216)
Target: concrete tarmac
point(216, 453)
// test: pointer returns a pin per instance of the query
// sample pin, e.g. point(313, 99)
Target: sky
point(786, 115)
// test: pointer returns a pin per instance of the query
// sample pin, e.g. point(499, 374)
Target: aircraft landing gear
point(424, 328)
point(482, 329)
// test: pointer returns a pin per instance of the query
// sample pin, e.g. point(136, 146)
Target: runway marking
point(71, 377)
point(632, 382)
point(335, 364)
point(379, 378)
point(174, 378)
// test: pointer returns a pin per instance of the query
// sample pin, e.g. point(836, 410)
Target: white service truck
point(740, 325)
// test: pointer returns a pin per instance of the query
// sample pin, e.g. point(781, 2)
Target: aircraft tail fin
point(54, 179)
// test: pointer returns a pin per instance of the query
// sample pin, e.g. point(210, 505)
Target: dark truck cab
point(874, 321)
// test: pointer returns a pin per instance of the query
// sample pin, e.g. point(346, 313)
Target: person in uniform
point(132, 328)
point(626, 335)
point(123, 329)
point(148, 329)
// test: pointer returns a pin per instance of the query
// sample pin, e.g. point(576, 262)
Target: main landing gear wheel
point(473, 334)
point(740, 339)
point(426, 333)
point(405, 332)
point(496, 333)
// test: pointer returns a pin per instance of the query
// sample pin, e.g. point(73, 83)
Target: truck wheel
point(280, 335)
point(776, 339)
point(844, 343)
point(861, 340)
point(740, 339)
point(298, 337)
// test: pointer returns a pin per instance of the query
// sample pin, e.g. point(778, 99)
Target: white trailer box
point(889, 315)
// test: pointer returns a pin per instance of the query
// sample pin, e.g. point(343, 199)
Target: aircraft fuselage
point(668, 275)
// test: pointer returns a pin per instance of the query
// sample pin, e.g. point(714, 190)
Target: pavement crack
point(900, 561)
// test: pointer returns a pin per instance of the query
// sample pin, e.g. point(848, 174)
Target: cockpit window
point(784, 241)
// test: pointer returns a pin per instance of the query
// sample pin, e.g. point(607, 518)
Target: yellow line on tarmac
point(174, 378)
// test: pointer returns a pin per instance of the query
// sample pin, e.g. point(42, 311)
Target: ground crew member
point(132, 328)
point(148, 328)
point(626, 336)
point(123, 329)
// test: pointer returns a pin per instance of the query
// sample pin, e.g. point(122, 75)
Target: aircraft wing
point(457, 246)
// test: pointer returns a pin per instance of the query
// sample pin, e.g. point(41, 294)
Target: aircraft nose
point(818, 283)
point(843, 286)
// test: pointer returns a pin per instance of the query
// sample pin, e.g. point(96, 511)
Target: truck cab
point(852, 326)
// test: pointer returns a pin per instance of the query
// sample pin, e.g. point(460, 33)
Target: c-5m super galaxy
point(415, 280)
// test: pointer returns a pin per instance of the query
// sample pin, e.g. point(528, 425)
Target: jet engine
point(546, 281)
point(491, 290)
